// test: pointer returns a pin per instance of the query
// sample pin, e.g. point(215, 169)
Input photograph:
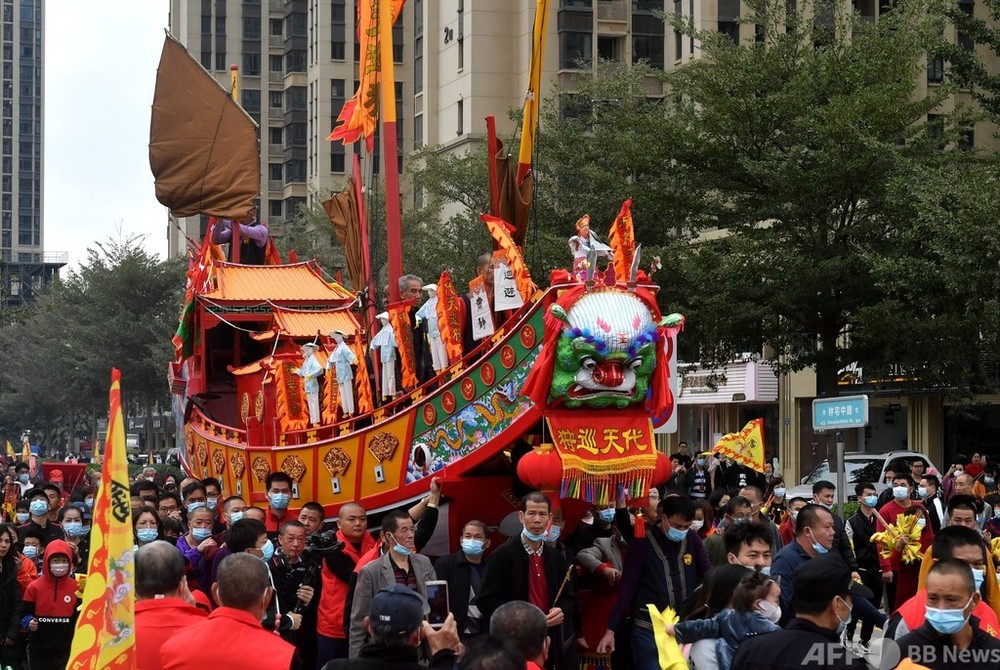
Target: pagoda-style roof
point(296, 282)
point(295, 323)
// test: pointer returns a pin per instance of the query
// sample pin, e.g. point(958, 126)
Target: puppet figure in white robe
point(341, 361)
point(310, 372)
point(428, 313)
point(385, 342)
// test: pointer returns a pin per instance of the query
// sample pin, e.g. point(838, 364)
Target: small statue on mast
point(428, 313)
point(583, 243)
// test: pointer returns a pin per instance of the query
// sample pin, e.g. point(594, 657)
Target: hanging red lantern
point(542, 468)
point(662, 471)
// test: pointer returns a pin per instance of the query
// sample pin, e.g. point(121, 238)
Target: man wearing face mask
point(526, 568)
point(860, 528)
point(38, 507)
point(231, 636)
point(736, 512)
point(400, 565)
point(824, 592)
point(953, 542)
point(823, 494)
point(585, 534)
point(663, 568)
point(279, 495)
point(23, 479)
point(463, 570)
point(951, 634)
point(903, 576)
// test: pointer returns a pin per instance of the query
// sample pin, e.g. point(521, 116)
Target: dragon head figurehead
point(605, 348)
point(606, 353)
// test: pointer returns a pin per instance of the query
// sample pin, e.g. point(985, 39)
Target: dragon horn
point(633, 276)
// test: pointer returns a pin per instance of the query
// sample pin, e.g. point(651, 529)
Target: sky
point(100, 69)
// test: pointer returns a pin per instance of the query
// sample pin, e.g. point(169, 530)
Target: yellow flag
point(669, 652)
point(10, 450)
point(533, 97)
point(25, 450)
point(105, 630)
point(746, 446)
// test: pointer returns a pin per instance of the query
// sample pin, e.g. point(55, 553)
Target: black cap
point(821, 579)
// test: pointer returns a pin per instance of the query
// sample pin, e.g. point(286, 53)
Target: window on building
point(649, 48)
point(250, 98)
point(220, 61)
point(576, 3)
point(251, 64)
point(277, 100)
point(274, 136)
point(295, 61)
point(967, 139)
point(729, 19)
point(251, 27)
point(461, 117)
point(274, 208)
point(275, 63)
point(678, 41)
point(338, 158)
point(276, 27)
point(220, 25)
point(418, 131)
point(295, 171)
point(967, 7)
point(418, 65)
point(397, 42)
point(575, 50)
point(647, 5)
point(206, 25)
point(338, 50)
point(935, 71)
point(935, 126)
point(275, 171)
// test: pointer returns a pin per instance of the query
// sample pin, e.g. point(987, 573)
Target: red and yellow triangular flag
point(105, 630)
point(746, 446)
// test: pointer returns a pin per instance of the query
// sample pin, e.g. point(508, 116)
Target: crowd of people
point(756, 580)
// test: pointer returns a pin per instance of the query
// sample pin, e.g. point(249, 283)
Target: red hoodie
point(53, 602)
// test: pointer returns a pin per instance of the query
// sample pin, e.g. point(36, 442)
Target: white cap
point(383, 315)
point(338, 332)
point(431, 287)
point(311, 345)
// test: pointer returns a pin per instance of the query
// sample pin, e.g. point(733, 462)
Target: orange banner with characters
point(399, 317)
point(501, 233)
point(622, 241)
point(359, 115)
point(290, 397)
point(451, 317)
point(602, 452)
point(362, 385)
point(104, 636)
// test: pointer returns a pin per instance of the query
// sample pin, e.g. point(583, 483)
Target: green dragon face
point(606, 354)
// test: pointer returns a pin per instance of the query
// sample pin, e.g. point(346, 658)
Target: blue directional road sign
point(840, 413)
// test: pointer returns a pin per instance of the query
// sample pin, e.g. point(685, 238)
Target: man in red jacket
point(231, 636)
point(901, 577)
point(164, 605)
point(338, 567)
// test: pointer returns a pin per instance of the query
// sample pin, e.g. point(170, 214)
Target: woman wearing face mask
point(776, 491)
point(197, 545)
point(949, 625)
point(754, 610)
point(704, 519)
point(147, 527)
point(77, 535)
point(11, 650)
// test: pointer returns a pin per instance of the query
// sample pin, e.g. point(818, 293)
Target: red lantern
point(542, 468)
point(662, 471)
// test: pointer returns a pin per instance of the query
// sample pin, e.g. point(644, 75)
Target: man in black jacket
point(823, 494)
point(463, 570)
point(295, 577)
point(822, 603)
point(860, 528)
point(524, 568)
point(396, 626)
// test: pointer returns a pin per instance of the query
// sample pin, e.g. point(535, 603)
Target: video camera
point(323, 543)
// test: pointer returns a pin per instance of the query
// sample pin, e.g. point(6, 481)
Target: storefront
point(716, 401)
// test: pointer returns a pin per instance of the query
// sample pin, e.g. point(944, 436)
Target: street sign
point(840, 413)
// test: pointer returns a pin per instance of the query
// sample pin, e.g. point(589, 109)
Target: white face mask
point(697, 525)
point(770, 611)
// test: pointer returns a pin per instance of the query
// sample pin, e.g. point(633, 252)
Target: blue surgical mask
point(196, 505)
point(146, 534)
point(473, 547)
point(553, 533)
point(900, 492)
point(921, 491)
point(39, 507)
point(795, 516)
point(213, 503)
point(30, 551)
point(676, 534)
point(871, 501)
point(23, 477)
point(279, 500)
point(702, 462)
point(817, 547)
point(946, 621)
point(779, 492)
point(978, 576)
point(22, 517)
point(842, 626)
point(532, 536)
point(201, 534)
point(89, 502)
point(268, 551)
point(766, 570)
point(235, 516)
point(401, 550)
point(988, 481)
point(73, 528)
point(606, 515)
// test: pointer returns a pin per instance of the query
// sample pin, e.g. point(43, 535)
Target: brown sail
point(343, 212)
point(202, 145)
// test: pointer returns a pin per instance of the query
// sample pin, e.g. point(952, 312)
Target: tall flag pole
point(105, 630)
point(533, 96)
point(393, 219)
